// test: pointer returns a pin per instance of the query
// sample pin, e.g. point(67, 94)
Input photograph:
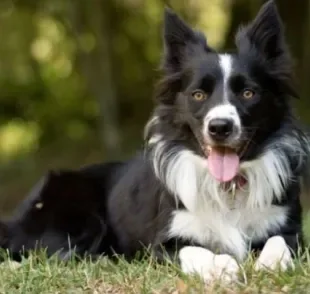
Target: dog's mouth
point(224, 162)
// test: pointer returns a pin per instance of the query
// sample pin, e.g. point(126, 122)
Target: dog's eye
point(248, 94)
point(199, 95)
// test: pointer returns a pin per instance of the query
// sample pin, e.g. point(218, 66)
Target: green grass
point(39, 275)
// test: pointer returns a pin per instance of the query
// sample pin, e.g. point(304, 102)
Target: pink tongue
point(223, 164)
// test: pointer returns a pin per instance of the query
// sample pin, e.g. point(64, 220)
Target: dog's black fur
point(64, 212)
point(123, 207)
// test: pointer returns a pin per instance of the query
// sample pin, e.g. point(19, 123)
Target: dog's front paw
point(275, 254)
point(197, 260)
point(225, 267)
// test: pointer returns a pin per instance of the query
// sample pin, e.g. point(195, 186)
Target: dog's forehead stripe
point(226, 62)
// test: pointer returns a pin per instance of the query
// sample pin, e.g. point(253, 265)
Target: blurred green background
point(76, 76)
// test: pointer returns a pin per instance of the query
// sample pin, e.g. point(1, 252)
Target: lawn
point(39, 275)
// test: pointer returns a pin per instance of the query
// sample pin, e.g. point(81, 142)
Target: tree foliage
point(77, 77)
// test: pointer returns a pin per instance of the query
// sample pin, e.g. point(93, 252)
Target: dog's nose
point(220, 128)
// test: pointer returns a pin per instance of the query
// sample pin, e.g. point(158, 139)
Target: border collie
point(220, 175)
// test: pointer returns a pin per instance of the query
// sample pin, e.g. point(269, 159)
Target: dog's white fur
point(275, 254)
point(197, 260)
point(226, 65)
point(211, 215)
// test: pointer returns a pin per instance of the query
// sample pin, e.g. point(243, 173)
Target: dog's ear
point(265, 37)
point(265, 33)
point(180, 41)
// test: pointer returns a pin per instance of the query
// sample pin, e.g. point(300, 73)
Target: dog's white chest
point(226, 232)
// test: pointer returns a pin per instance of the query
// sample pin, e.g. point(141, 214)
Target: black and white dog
point(220, 175)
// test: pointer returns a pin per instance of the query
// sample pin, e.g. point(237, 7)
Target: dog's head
point(226, 103)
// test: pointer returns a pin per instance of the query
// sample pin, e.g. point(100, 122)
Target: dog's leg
point(275, 253)
point(197, 260)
